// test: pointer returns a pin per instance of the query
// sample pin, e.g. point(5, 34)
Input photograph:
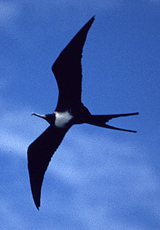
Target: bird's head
point(50, 118)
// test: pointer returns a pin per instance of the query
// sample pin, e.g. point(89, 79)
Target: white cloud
point(18, 130)
point(107, 175)
point(9, 218)
point(12, 143)
point(105, 178)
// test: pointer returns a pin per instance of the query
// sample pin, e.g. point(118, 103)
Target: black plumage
point(69, 111)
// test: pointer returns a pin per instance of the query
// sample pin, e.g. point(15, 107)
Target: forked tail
point(100, 120)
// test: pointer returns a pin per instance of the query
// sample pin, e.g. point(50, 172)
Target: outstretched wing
point(68, 71)
point(39, 156)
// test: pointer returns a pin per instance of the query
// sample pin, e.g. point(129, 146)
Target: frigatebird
point(69, 111)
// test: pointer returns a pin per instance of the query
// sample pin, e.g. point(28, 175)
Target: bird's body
point(69, 111)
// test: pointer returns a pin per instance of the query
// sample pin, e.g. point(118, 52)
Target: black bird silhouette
point(69, 111)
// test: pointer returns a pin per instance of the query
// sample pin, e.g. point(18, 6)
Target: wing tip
point(93, 18)
point(90, 21)
point(37, 206)
point(36, 202)
point(85, 29)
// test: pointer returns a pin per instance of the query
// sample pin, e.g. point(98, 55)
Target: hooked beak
point(38, 115)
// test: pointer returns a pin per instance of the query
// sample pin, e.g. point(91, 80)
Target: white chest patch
point(62, 119)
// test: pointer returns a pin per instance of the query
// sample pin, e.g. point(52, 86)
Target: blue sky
point(98, 178)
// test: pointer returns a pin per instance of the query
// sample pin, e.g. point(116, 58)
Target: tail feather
point(100, 120)
point(115, 128)
point(106, 118)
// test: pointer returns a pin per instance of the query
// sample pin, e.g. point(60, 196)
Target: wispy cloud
point(111, 176)
point(9, 216)
point(103, 179)
point(95, 180)
point(18, 130)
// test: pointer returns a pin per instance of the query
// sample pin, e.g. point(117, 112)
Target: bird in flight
point(69, 111)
